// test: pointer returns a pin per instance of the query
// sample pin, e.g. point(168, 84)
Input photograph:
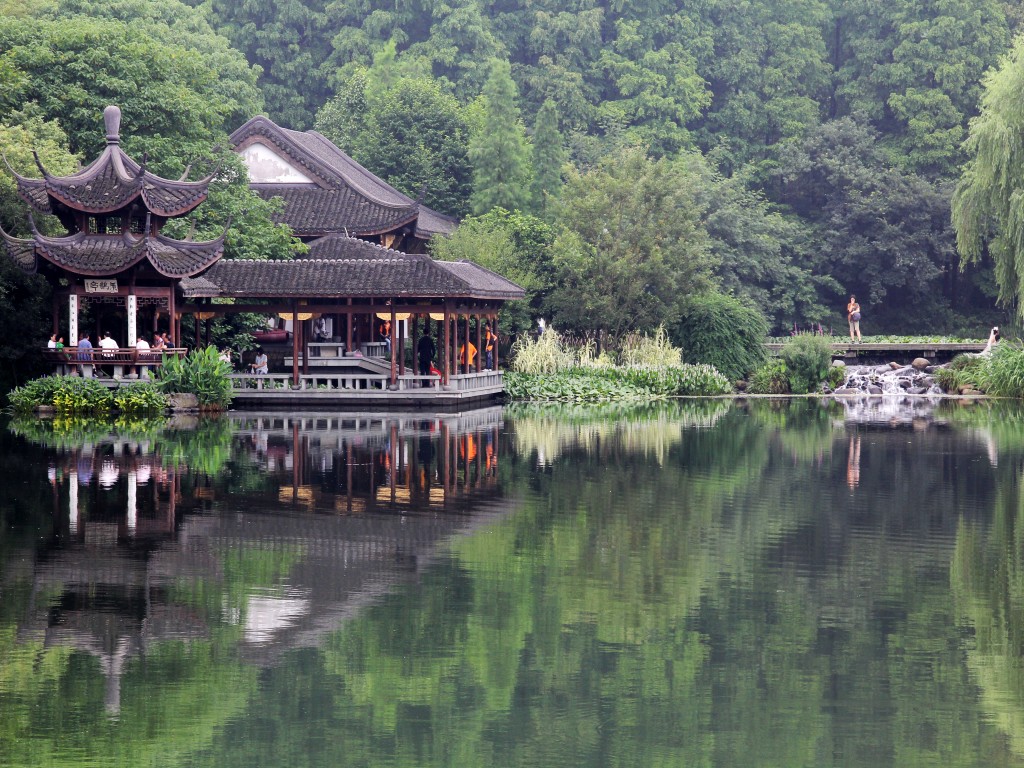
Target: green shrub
point(772, 378)
point(963, 371)
point(33, 393)
point(68, 394)
point(808, 357)
point(721, 331)
point(201, 373)
point(1002, 373)
point(836, 376)
point(140, 397)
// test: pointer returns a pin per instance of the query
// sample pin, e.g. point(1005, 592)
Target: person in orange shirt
point(464, 358)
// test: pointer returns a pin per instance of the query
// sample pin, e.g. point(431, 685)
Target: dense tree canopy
point(630, 247)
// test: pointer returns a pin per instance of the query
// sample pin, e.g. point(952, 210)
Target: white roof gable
point(266, 166)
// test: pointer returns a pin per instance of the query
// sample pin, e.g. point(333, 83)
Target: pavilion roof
point(112, 182)
point(104, 255)
point(340, 267)
point(361, 204)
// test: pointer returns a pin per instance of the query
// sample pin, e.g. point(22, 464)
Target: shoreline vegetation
point(555, 368)
point(199, 381)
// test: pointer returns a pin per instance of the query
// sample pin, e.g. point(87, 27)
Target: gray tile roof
point(336, 171)
point(311, 211)
point(339, 267)
point(112, 182)
point(104, 255)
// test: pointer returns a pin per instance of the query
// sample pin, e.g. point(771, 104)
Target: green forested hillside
point(811, 147)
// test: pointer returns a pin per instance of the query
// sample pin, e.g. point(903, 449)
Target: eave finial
point(112, 122)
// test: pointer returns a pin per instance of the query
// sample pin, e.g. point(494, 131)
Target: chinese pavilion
point(113, 255)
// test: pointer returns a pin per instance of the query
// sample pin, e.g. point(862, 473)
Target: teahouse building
point(354, 283)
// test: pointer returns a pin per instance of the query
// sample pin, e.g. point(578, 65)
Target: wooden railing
point(74, 359)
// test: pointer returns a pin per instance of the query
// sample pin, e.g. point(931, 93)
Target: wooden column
point(348, 329)
point(494, 330)
point(391, 343)
point(447, 346)
point(455, 344)
point(479, 346)
point(172, 317)
point(306, 325)
point(466, 344)
point(295, 345)
point(401, 348)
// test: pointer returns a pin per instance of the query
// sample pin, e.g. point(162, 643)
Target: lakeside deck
point(365, 389)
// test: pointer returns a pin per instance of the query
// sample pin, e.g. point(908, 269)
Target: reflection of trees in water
point(115, 620)
point(987, 576)
point(729, 603)
point(650, 430)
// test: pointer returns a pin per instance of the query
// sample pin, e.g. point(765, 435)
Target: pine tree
point(498, 149)
point(548, 157)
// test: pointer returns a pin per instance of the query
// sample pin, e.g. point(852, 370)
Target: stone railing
point(363, 382)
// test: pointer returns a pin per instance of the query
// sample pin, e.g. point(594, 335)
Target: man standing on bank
point(853, 317)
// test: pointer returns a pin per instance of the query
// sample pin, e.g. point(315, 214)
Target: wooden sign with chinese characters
point(100, 286)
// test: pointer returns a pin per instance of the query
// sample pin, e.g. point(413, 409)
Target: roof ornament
point(142, 165)
point(185, 174)
point(112, 122)
point(215, 171)
point(10, 168)
point(39, 164)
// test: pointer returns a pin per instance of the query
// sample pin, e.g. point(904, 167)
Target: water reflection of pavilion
point(357, 463)
point(347, 508)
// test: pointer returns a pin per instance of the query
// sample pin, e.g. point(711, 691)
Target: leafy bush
point(962, 371)
point(139, 397)
point(808, 358)
point(772, 378)
point(836, 376)
point(1002, 373)
point(201, 373)
point(68, 394)
point(721, 331)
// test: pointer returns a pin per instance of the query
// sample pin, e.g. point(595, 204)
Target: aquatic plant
point(202, 373)
point(67, 394)
point(1002, 374)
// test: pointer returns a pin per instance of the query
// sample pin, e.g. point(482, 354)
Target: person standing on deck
point(490, 341)
point(425, 351)
point(853, 318)
point(84, 354)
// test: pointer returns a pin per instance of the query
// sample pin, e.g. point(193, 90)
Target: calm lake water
point(703, 583)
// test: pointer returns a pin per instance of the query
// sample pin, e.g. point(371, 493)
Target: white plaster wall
point(268, 167)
